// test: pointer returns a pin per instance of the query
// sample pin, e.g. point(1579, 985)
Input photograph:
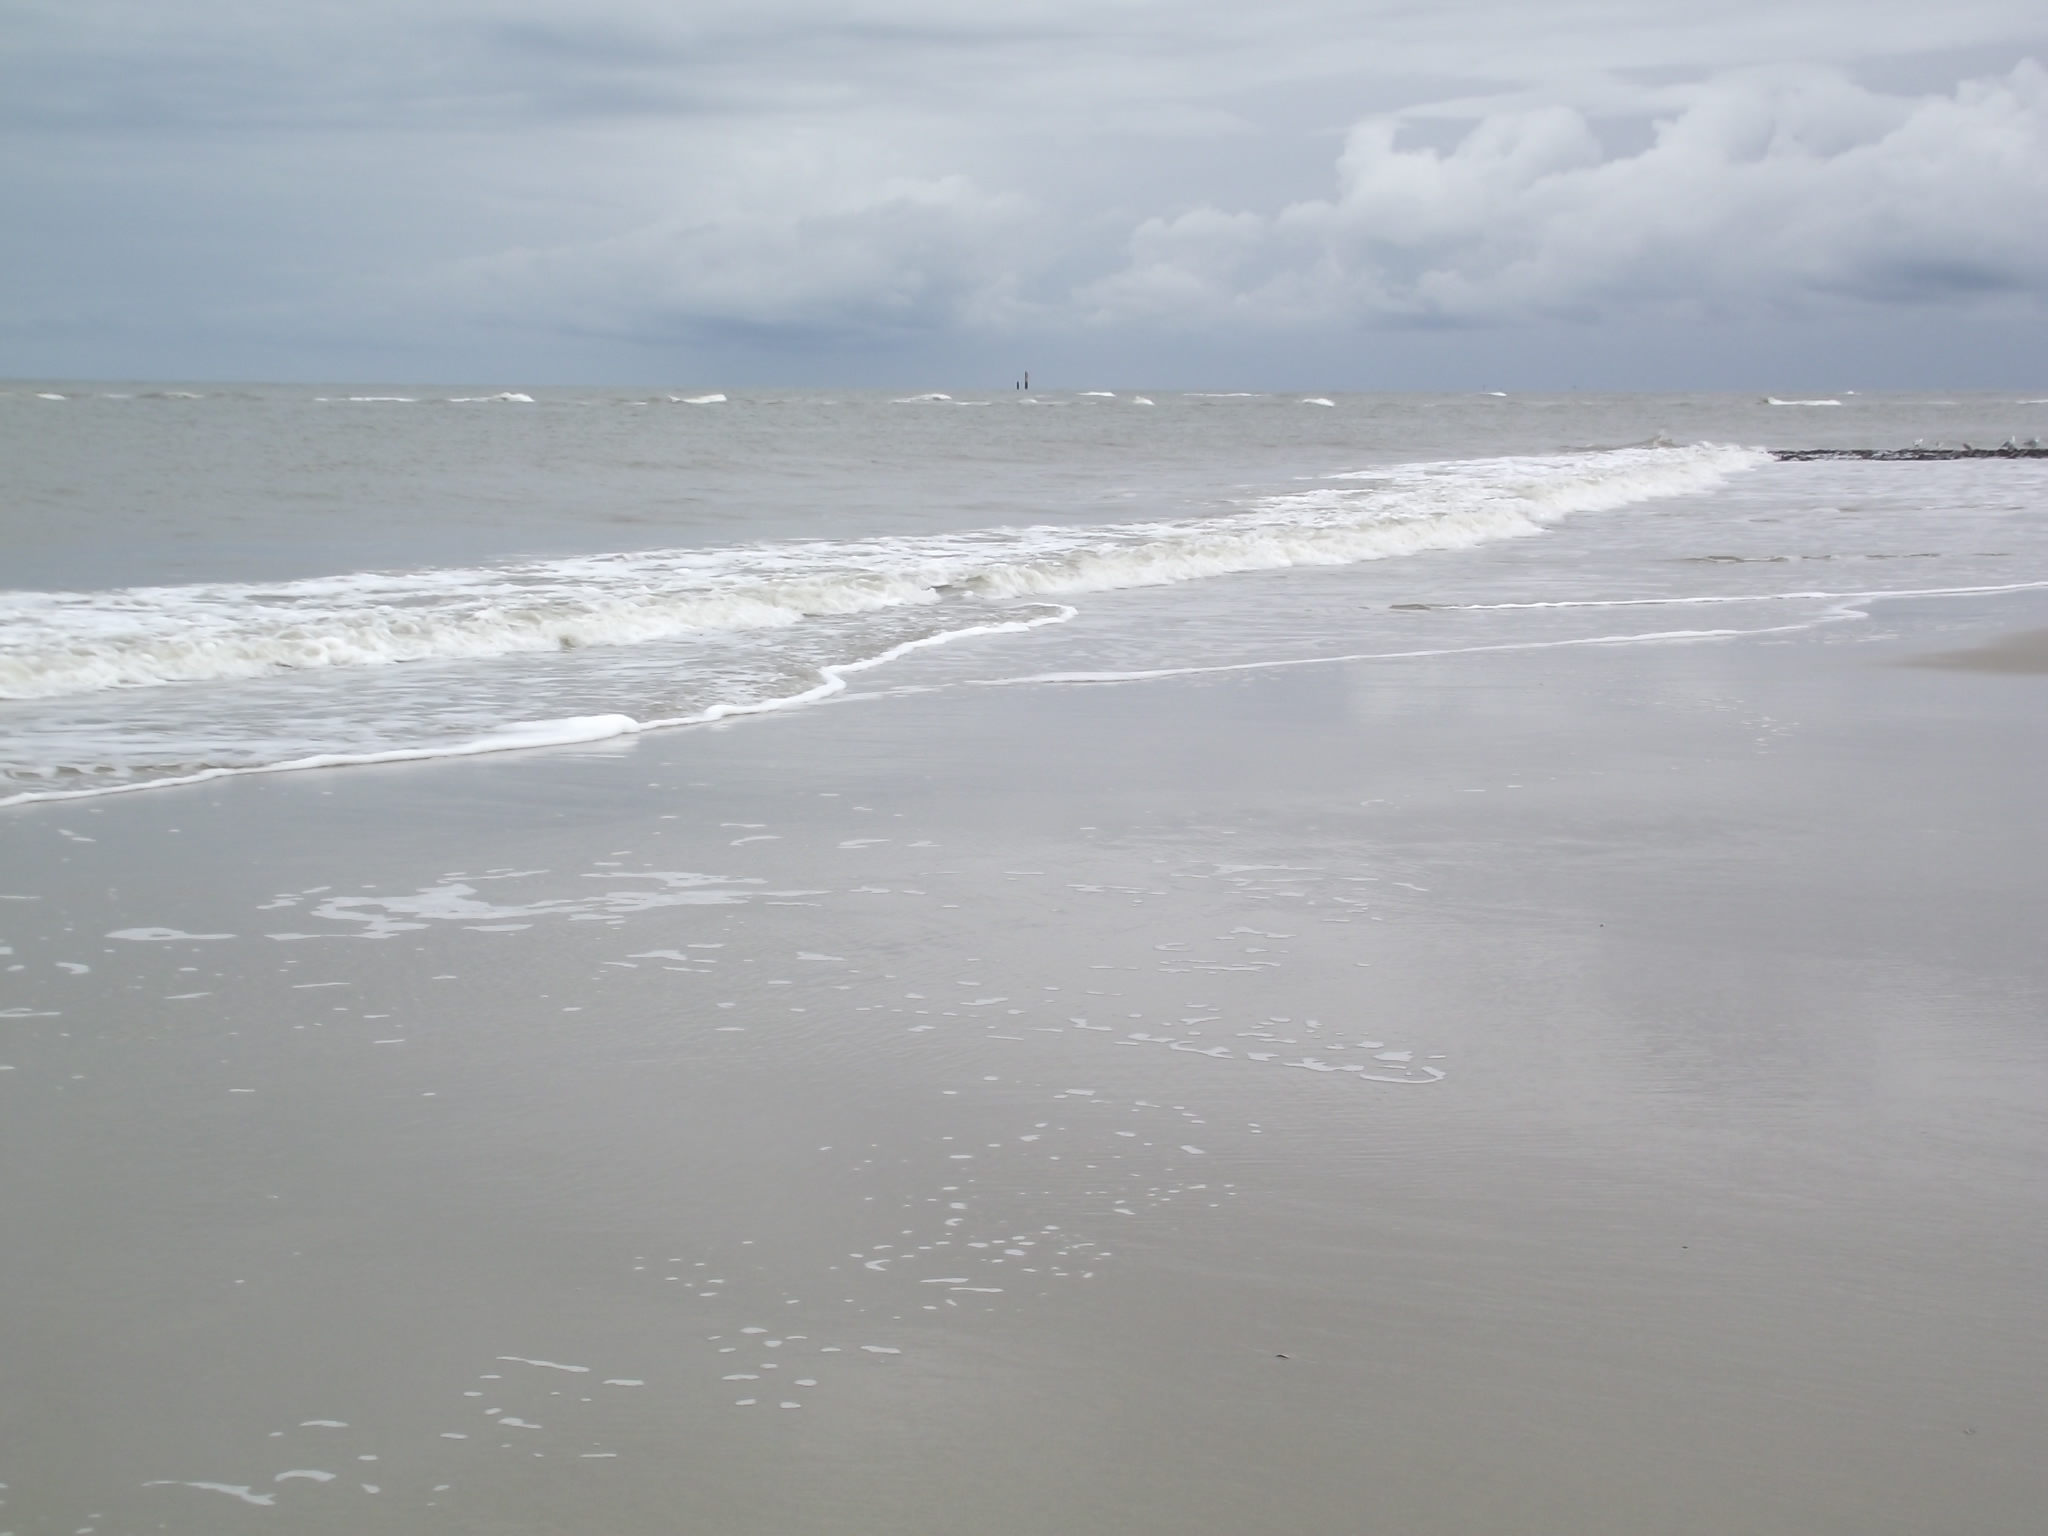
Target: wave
point(59, 643)
point(523, 736)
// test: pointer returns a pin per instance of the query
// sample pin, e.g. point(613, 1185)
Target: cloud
point(635, 188)
point(837, 262)
point(1774, 191)
point(1768, 189)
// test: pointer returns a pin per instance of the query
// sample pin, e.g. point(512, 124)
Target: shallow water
point(217, 582)
point(1526, 1084)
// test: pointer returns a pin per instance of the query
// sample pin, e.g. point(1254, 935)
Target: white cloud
point(1769, 188)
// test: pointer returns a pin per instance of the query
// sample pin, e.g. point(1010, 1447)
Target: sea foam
point(59, 643)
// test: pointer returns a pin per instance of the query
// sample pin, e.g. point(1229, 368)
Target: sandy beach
point(1582, 1091)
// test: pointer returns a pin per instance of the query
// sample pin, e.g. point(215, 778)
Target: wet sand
point(1581, 1092)
point(2026, 651)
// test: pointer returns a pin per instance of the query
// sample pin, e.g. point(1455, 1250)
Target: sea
point(204, 580)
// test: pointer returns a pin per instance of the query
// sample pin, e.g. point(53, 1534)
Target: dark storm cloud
point(373, 187)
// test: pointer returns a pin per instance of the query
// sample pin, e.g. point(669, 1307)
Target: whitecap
point(546, 733)
point(56, 643)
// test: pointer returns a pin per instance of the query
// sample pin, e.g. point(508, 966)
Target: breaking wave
point(59, 643)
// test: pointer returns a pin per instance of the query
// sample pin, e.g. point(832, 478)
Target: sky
point(1314, 194)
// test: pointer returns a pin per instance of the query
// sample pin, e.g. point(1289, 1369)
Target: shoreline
point(1999, 655)
point(1700, 937)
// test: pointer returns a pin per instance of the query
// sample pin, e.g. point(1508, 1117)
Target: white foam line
point(1667, 637)
point(1751, 597)
point(835, 675)
point(1657, 637)
point(541, 734)
point(567, 732)
point(235, 1490)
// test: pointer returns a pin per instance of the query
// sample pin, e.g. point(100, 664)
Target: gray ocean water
point(203, 579)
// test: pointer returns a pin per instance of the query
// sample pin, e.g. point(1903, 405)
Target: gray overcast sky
point(1291, 193)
